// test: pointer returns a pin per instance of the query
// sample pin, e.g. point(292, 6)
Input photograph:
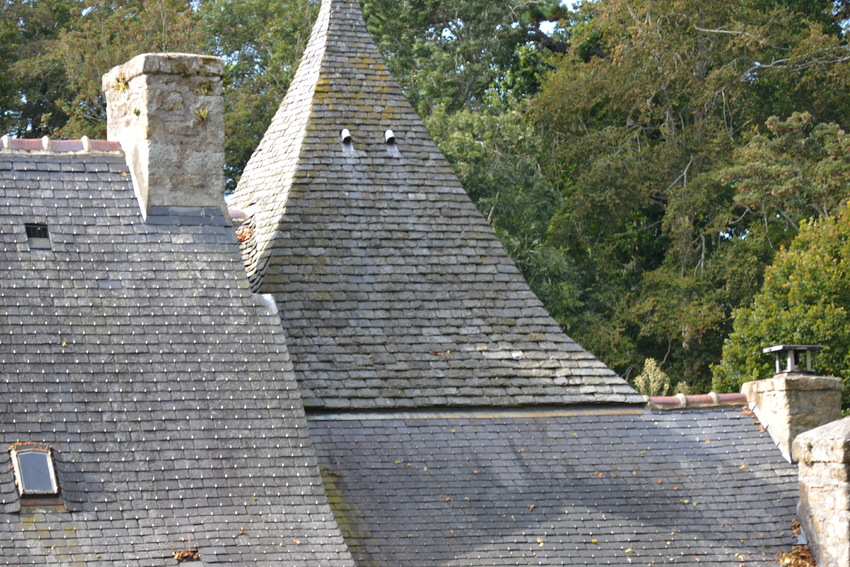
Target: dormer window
point(37, 236)
point(34, 473)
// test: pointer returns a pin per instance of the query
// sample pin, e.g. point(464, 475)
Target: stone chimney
point(823, 457)
point(794, 400)
point(167, 111)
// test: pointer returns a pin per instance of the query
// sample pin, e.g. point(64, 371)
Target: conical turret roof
point(393, 289)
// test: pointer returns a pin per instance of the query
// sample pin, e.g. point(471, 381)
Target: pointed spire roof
point(393, 289)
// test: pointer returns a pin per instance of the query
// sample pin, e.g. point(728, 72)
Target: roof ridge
point(693, 401)
point(256, 190)
point(45, 144)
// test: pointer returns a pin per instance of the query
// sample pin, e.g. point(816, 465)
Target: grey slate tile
point(159, 427)
point(458, 490)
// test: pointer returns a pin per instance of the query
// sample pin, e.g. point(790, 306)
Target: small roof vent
point(37, 236)
point(794, 355)
point(345, 136)
point(389, 137)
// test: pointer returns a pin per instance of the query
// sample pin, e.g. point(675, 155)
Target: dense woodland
point(644, 161)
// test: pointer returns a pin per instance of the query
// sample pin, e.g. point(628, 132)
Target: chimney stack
point(167, 111)
point(794, 400)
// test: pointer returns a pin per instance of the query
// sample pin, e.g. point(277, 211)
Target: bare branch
point(543, 41)
point(730, 32)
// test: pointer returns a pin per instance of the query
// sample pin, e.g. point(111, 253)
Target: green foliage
point(101, 35)
point(33, 78)
point(450, 55)
point(262, 42)
point(652, 381)
point(796, 171)
point(805, 300)
point(667, 229)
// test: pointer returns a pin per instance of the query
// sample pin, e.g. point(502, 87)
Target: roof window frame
point(20, 450)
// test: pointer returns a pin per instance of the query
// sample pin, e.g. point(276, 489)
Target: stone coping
point(47, 145)
point(185, 64)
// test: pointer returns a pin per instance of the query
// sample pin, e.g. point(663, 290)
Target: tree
point(31, 71)
point(450, 54)
point(664, 245)
point(805, 300)
point(262, 42)
point(101, 35)
point(798, 169)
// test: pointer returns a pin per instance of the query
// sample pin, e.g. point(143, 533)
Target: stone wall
point(823, 455)
point(789, 404)
point(167, 111)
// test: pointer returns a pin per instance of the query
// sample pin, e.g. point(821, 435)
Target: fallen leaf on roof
point(532, 507)
point(799, 557)
point(744, 467)
point(187, 555)
point(540, 541)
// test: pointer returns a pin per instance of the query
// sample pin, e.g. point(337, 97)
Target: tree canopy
point(805, 300)
point(643, 161)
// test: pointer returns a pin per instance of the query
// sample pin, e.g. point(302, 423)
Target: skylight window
point(34, 473)
point(37, 236)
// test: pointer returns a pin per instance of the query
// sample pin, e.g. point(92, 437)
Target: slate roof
point(136, 350)
point(394, 291)
point(570, 487)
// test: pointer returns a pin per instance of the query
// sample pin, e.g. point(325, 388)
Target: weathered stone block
point(167, 111)
point(823, 455)
point(791, 404)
